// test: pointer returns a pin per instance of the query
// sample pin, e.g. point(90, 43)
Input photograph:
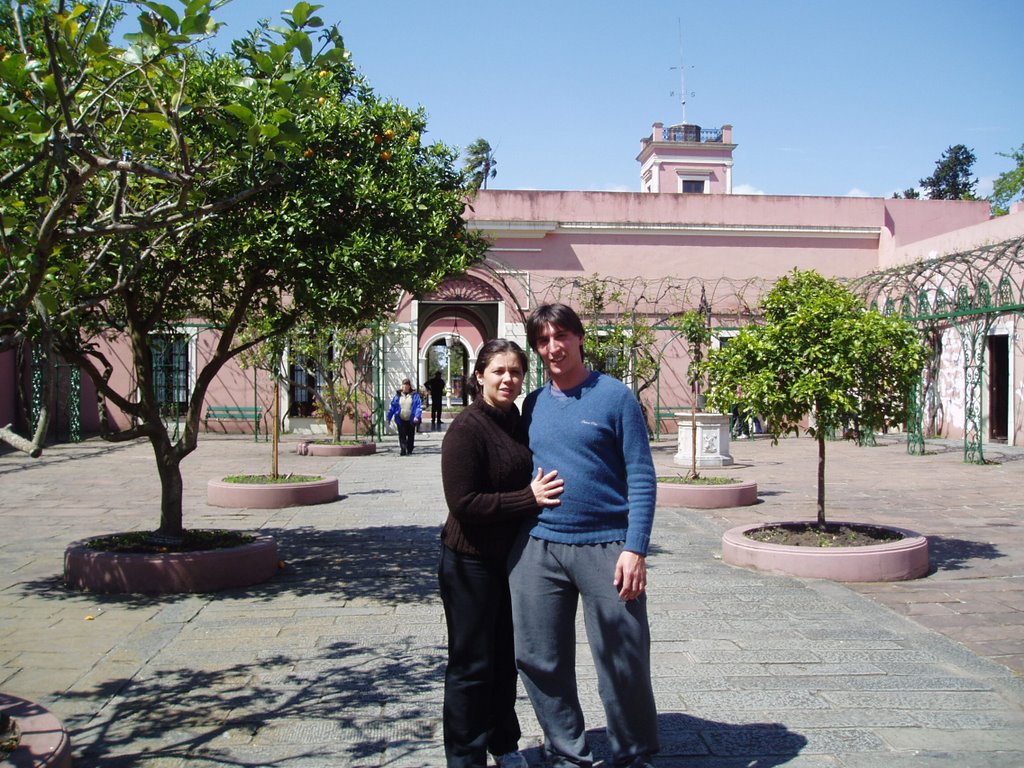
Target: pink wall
point(233, 385)
point(906, 220)
point(968, 237)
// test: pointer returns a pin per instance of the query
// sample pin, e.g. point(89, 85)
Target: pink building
point(686, 233)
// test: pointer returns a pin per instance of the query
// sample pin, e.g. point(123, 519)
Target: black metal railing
point(691, 133)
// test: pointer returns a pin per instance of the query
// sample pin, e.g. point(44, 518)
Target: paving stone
point(338, 661)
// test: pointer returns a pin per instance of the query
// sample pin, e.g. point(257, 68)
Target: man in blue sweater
point(592, 546)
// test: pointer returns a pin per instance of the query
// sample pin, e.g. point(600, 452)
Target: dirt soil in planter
point(829, 535)
point(146, 542)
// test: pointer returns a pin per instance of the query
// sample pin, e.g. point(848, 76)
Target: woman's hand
point(547, 488)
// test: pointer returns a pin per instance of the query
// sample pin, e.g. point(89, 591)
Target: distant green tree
point(819, 353)
point(952, 177)
point(1009, 185)
point(907, 194)
point(480, 164)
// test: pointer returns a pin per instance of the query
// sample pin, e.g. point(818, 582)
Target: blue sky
point(825, 97)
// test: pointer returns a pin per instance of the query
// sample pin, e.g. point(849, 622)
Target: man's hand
point(631, 575)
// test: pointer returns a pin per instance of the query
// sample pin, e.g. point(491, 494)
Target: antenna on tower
point(682, 73)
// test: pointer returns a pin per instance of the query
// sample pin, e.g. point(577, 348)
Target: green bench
point(251, 413)
point(667, 413)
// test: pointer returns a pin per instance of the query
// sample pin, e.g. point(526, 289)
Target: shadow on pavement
point(686, 739)
point(950, 554)
point(361, 700)
point(391, 564)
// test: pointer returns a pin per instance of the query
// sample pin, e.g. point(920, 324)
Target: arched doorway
point(448, 327)
point(455, 321)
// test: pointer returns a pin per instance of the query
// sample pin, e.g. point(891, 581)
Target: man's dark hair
point(561, 315)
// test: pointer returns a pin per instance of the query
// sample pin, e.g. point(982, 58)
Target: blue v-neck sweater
point(596, 437)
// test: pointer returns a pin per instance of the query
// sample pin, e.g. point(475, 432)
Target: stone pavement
point(338, 661)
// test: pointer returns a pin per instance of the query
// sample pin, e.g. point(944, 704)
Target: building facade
point(683, 238)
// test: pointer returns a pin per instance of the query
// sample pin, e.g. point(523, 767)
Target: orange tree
point(818, 353)
point(154, 184)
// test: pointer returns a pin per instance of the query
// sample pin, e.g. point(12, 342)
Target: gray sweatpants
point(547, 581)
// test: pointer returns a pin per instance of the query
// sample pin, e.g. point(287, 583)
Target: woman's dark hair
point(487, 353)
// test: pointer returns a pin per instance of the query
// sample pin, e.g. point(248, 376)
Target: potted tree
point(273, 490)
point(261, 189)
point(336, 374)
point(693, 489)
point(821, 355)
point(330, 356)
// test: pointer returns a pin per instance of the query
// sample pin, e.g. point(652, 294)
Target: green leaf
point(301, 12)
point(157, 120)
point(283, 90)
point(305, 46)
point(282, 115)
point(97, 44)
point(165, 12)
point(242, 112)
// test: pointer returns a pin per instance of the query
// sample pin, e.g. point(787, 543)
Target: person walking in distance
point(593, 546)
point(486, 470)
point(436, 387)
point(407, 411)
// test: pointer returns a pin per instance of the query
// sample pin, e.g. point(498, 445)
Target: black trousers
point(435, 411)
point(406, 434)
point(480, 680)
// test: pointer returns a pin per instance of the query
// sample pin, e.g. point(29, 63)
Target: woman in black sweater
point(487, 471)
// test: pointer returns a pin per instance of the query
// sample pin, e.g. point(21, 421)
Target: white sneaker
point(511, 760)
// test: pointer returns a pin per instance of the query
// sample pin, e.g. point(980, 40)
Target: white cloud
point(746, 189)
point(855, 192)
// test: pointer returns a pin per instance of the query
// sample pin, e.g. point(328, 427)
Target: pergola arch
point(968, 292)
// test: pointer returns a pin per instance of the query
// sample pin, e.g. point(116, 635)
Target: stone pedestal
point(712, 440)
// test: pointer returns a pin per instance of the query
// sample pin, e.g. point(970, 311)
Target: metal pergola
point(968, 292)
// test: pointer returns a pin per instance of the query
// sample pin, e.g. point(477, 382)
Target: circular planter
point(707, 496)
point(207, 570)
point(899, 560)
point(308, 448)
point(271, 495)
point(44, 742)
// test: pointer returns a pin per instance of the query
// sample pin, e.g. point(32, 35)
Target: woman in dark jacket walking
point(487, 471)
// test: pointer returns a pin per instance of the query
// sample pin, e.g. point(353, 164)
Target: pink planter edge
point(208, 570)
point(707, 496)
point(44, 740)
point(309, 448)
point(276, 496)
point(893, 561)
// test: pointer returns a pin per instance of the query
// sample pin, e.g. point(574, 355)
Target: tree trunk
point(693, 438)
point(274, 465)
point(821, 477)
point(168, 462)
